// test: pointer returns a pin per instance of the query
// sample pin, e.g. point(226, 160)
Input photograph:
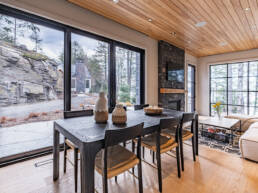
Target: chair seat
point(171, 133)
point(119, 160)
point(166, 144)
point(70, 144)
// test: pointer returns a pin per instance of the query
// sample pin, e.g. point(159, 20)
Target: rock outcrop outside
point(28, 77)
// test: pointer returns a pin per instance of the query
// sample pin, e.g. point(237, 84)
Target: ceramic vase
point(101, 109)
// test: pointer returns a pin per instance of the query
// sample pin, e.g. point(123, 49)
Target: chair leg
point(76, 168)
point(159, 171)
point(105, 184)
point(116, 179)
point(65, 155)
point(124, 144)
point(193, 147)
point(143, 151)
point(178, 162)
point(140, 177)
point(133, 150)
point(182, 154)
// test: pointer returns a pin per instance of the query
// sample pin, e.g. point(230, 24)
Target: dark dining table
point(88, 136)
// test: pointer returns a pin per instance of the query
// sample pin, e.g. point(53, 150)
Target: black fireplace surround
point(175, 58)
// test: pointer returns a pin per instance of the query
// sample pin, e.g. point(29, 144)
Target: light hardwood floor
point(213, 172)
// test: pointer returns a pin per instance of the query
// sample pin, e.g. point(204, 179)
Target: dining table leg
point(56, 149)
point(88, 154)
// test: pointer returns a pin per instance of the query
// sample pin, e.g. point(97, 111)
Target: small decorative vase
point(219, 115)
point(119, 115)
point(101, 109)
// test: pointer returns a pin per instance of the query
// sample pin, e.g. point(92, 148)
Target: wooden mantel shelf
point(172, 90)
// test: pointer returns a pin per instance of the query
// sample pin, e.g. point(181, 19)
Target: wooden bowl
point(153, 110)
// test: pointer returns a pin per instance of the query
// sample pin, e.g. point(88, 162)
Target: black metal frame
point(194, 83)
point(227, 91)
point(68, 30)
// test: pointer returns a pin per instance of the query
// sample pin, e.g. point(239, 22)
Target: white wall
point(70, 14)
point(203, 73)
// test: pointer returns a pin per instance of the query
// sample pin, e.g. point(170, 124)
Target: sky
point(52, 43)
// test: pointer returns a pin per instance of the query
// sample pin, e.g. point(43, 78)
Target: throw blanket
point(246, 121)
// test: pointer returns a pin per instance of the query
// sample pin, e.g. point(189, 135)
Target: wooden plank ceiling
point(231, 25)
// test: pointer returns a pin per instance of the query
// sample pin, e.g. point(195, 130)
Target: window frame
point(227, 77)
point(68, 30)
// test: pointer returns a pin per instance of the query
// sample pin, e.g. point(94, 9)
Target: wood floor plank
point(213, 172)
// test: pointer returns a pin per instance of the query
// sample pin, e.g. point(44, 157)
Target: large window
point(128, 76)
point(31, 84)
point(89, 70)
point(235, 85)
point(47, 67)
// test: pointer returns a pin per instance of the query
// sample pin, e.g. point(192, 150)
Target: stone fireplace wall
point(171, 54)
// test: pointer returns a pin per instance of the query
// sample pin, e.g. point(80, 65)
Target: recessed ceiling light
point(149, 20)
point(247, 9)
point(173, 33)
point(115, 1)
point(201, 24)
point(223, 43)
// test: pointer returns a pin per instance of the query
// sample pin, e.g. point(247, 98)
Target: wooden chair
point(162, 144)
point(69, 144)
point(140, 107)
point(115, 159)
point(188, 119)
point(136, 108)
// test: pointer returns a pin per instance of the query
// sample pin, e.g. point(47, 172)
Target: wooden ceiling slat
point(219, 27)
point(164, 19)
point(227, 21)
point(249, 16)
point(254, 8)
point(245, 23)
point(232, 6)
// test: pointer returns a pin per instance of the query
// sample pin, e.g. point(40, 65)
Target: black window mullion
point(142, 77)
point(112, 77)
point(67, 70)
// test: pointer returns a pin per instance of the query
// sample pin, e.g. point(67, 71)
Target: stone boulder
point(27, 76)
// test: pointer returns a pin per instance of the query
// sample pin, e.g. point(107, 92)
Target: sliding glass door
point(89, 71)
point(31, 84)
point(191, 88)
point(47, 68)
point(128, 76)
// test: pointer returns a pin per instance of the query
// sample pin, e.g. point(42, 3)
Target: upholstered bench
point(249, 143)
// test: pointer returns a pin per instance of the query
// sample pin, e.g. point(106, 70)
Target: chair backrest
point(116, 136)
point(139, 107)
point(188, 117)
point(72, 114)
point(170, 123)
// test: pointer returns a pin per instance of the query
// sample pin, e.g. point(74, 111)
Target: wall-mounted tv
point(175, 72)
point(175, 75)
